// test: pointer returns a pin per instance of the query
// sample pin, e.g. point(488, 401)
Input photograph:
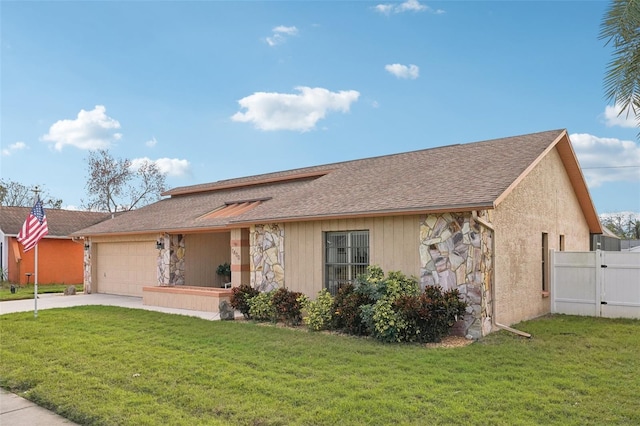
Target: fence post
point(598, 272)
point(552, 277)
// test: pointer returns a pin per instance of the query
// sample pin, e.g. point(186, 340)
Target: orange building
point(60, 257)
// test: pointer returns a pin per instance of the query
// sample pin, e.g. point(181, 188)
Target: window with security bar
point(346, 257)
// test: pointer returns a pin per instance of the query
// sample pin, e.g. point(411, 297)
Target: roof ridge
point(290, 174)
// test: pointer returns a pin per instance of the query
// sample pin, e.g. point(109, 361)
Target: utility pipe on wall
point(494, 322)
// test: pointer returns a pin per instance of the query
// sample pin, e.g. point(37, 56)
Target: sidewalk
point(58, 300)
point(17, 411)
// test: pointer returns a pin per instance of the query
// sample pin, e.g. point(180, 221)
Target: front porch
point(205, 299)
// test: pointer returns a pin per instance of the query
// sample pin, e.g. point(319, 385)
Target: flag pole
point(35, 287)
point(33, 230)
point(35, 280)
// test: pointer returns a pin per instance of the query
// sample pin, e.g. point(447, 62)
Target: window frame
point(350, 259)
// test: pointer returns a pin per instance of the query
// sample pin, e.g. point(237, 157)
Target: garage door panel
point(125, 267)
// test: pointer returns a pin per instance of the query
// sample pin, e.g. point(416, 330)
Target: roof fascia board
point(245, 223)
point(378, 213)
point(574, 171)
point(160, 231)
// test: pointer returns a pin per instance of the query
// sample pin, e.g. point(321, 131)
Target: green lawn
point(113, 366)
point(26, 291)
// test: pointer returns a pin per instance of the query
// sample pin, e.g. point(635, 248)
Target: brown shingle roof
point(451, 178)
point(61, 223)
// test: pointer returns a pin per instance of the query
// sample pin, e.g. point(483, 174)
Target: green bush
point(429, 316)
point(261, 307)
point(288, 305)
point(319, 311)
point(240, 298)
point(347, 312)
point(379, 317)
point(399, 313)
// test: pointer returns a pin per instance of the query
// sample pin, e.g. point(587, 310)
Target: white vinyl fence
point(596, 283)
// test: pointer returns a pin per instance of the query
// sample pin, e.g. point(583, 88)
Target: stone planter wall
point(267, 256)
point(456, 253)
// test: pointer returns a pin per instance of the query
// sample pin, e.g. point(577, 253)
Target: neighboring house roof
point(608, 233)
point(61, 223)
point(453, 178)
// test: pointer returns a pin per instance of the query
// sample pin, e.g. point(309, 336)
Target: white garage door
point(125, 267)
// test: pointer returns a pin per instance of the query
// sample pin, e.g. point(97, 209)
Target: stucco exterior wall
point(543, 202)
point(393, 245)
point(60, 261)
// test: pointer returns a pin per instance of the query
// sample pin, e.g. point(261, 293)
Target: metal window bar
point(346, 256)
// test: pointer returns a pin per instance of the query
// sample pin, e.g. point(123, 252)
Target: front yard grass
point(26, 291)
point(114, 366)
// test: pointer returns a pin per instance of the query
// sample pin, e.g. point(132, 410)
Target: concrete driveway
point(58, 300)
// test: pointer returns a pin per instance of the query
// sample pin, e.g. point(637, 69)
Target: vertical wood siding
point(203, 254)
point(393, 246)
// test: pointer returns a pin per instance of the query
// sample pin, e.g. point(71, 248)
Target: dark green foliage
point(224, 269)
point(392, 309)
point(240, 298)
point(288, 306)
point(347, 313)
point(429, 316)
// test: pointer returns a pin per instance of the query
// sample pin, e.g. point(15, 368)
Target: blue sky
point(213, 90)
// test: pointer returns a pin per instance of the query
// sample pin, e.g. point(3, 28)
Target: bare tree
point(115, 185)
point(624, 225)
point(15, 194)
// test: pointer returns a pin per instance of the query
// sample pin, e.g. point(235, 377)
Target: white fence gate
point(596, 283)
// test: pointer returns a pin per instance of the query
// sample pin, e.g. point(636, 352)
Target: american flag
point(34, 228)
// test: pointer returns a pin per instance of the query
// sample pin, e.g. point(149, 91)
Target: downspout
point(494, 322)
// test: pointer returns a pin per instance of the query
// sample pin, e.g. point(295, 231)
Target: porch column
point(240, 264)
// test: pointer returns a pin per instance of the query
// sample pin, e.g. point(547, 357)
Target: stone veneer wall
point(456, 252)
point(87, 267)
point(171, 260)
point(266, 255)
point(164, 256)
point(176, 264)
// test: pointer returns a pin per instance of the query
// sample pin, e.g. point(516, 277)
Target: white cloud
point(167, 166)
point(613, 117)
point(385, 9)
point(285, 111)
point(280, 34)
point(13, 148)
point(402, 71)
point(411, 5)
point(90, 130)
point(607, 159)
point(151, 142)
point(407, 6)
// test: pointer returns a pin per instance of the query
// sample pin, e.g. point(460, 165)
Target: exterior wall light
point(160, 244)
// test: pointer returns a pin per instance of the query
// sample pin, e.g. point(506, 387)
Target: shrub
point(288, 305)
point(429, 316)
point(240, 298)
point(261, 307)
point(396, 311)
point(319, 311)
point(347, 312)
point(379, 316)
